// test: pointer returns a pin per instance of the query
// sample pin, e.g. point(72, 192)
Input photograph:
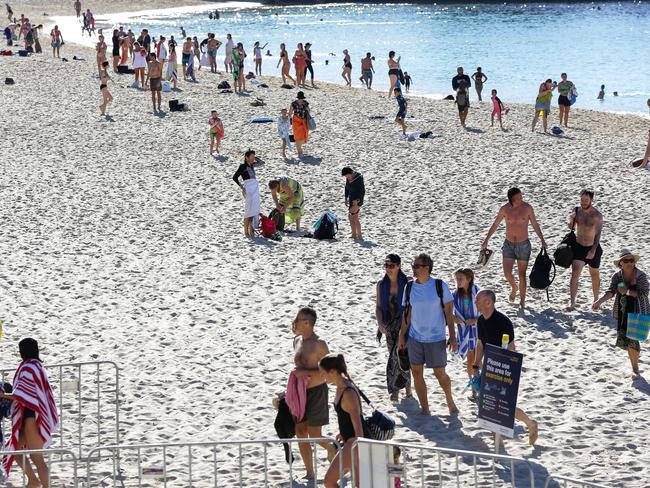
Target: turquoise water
point(517, 45)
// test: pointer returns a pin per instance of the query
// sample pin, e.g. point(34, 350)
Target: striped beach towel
point(32, 390)
point(466, 335)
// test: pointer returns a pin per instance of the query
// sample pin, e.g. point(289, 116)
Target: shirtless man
point(516, 247)
point(187, 52)
point(309, 349)
point(367, 71)
point(56, 41)
point(586, 250)
point(154, 75)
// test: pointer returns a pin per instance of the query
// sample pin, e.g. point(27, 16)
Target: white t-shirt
point(139, 61)
point(258, 53)
point(428, 322)
point(163, 51)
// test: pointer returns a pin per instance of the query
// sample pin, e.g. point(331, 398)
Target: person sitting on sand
point(56, 41)
point(492, 325)
point(103, 87)
point(518, 215)
point(309, 349)
point(629, 287)
point(286, 65)
point(34, 417)
point(347, 404)
point(498, 109)
point(289, 199)
point(298, 112)
point(284, 126)
point(588, 222)
point(462, 101)
point(154, 75)
point(216, 132)
point(388, 312)
point(250, 190)
point(428, 307)
point(543, 103)
point(355, 190)
point(401, 112)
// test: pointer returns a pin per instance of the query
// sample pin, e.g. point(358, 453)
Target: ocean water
point(517, 45)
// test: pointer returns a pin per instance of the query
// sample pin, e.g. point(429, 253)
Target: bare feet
point(425, 411)
point(635, 375)
point(453, 409)
point(533, 432)
point(513, 294)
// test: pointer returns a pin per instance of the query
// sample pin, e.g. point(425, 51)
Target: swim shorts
point(562, 100)
point(462, 107)
point(430, 354)
point(580, 254)
point(212, 53)
point(367, 74)
point(400, 115)
point(517, 250)
point(155, 84)
point(186, 59)
point(317, 408)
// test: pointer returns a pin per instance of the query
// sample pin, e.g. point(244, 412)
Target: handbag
point(311, 123)
point(563, 255)
point(638, 325)
point(377, 426)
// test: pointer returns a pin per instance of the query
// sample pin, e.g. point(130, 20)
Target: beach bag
point(377, 426)
point(277, 218)
point(122, 69)
point(311, 123)
point(268, 226)
point(166, 86)
point(461, 98)
point(540, 276)
point(9, 81)
point(326, 227)
point(224, 85)
point(638, 325)
point(563, 255)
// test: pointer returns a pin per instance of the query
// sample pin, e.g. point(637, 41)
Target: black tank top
point(346, 428)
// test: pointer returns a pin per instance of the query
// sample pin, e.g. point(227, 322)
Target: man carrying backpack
point(428, 306)
point(355, 190)
point(586, 248)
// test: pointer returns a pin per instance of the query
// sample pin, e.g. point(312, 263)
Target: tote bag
point(638, 325)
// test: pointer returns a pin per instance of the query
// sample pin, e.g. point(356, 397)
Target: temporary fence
point(87, 396)
point(201, 464)
point(62, 465)
point(565, 482)
point(417, 465)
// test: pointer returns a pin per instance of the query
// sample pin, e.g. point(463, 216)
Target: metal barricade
point(199, 463)
point(62, 471)
point(84, 406)
point(555, 480)
point(378, 469)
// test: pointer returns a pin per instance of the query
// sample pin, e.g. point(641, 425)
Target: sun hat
point(300, 96)
point(625, 253)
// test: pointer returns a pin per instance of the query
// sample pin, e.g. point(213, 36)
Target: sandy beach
point(122, 240)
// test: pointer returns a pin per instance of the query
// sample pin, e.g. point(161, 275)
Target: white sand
point(122, 240)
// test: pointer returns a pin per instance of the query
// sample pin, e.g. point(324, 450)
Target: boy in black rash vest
point(491, 326)
point(355, 190)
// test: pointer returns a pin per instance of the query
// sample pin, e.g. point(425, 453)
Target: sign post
point(497, 399)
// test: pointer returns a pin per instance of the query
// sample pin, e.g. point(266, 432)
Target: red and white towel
point(32, 390)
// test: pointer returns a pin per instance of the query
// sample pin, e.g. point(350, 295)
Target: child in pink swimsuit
point(497, 108)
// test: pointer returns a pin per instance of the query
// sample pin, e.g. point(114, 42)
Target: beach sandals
point(484, 257)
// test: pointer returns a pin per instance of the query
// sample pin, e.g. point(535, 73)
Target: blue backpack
point(327, 226)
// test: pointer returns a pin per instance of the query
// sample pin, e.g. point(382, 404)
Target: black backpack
point(563, 255)
point(326, 227)
point(540, 276)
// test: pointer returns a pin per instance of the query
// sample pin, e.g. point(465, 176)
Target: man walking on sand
point(586, 249)
point(491, 327)
point(367, 70)
point(516, 247)
point(154, 75)
point(309, 349)
point(428, 306)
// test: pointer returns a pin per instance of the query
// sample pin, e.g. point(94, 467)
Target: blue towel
point(466, 335)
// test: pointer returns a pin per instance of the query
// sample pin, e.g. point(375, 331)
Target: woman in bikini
point(393, 72)
point(103, 87)
point(300, 64)
point(347, 68)
point(286, 64)
point(101, 53)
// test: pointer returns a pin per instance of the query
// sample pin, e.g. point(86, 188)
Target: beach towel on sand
point(32, 390)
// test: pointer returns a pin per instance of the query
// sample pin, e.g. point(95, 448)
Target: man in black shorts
point(491, 326)
point(355, 190)
point(309, 349)
point(586, 250)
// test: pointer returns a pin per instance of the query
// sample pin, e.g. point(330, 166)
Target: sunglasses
point(628, 260)
point(389, 265)
point(417, 266)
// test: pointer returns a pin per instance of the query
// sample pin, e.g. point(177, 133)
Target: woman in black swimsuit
point(393, 72)
point(103, 87)
point(347, 405)
point(347, 68)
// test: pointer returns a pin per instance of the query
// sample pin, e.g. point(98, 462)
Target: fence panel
point(555, 481)
point(87, 396)
point(62, 465)
point(435, 467)
point(203, 464)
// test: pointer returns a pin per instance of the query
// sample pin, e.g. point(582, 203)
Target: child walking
point(498, 108)
point(284, 125)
